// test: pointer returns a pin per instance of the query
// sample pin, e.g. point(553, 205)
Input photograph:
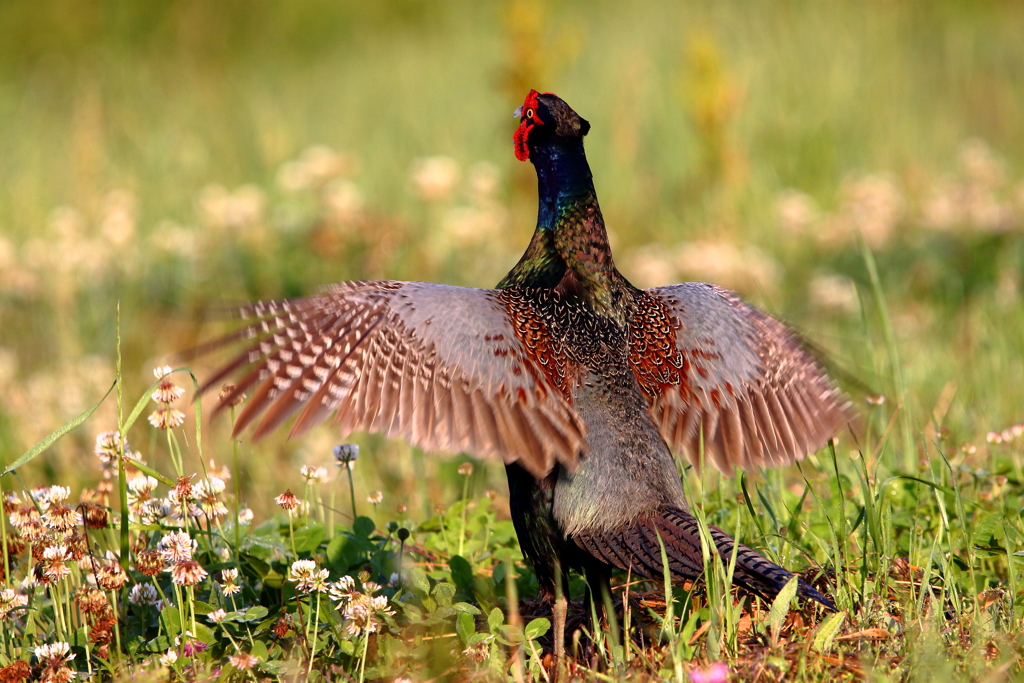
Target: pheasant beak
point(518, 113)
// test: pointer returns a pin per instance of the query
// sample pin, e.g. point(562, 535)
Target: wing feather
point(710, 363)
point(439, 366)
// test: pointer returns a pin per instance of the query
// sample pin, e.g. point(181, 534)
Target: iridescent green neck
point(570, 246)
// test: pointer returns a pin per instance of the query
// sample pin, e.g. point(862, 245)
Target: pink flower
point(718, 672)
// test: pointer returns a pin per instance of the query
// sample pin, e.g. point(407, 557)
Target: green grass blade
point(827, 631)
point(780, 607)
point(56, 435)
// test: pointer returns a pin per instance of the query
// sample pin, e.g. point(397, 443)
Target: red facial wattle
point(529, 119)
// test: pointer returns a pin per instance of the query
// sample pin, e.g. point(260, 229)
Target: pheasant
point(580, 382)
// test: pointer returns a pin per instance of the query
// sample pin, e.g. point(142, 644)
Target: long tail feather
point(637, 547)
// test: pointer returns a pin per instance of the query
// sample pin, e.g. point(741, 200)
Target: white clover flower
point(311, 473)
point(142, 485)
point(162, 371)
point(143, 594)
point(177, 547)
point(54, 652)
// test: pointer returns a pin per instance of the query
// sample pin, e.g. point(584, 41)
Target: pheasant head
point(545, 117)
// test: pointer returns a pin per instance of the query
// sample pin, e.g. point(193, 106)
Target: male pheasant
point(578, 380)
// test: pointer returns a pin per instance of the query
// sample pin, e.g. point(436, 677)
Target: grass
point(855, 168)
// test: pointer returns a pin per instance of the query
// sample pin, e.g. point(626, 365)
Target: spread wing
point(439, 366)
point(715, 368)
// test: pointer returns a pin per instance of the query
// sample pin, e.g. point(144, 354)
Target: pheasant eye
point(529, 113)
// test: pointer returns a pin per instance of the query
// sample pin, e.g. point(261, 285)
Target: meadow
point(856, 169)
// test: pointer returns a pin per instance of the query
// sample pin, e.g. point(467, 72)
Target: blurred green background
point(179, 156)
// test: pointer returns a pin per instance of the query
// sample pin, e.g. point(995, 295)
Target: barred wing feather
point(437, 365)
point(723, 375)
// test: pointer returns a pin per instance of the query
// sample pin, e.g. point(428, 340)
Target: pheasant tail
point(637, 548)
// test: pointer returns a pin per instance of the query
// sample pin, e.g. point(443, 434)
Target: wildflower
point(24, 515)
point(478, 652)
point(51, 495)
point(143, 594)
point(217, 616)
point(54, 659)
point(95, 517)
point(77, 547)
point(111, 577)
point(287, 500)
point(228, 577)
point(177, 505)
point(346, 454)
point(245, 516)
point(108, 450)
point(223, 472)
point(281, 626)
point(375, 497)
point(16, 671)
point(874, 399)
point(243, 661)
point(192, 647)
point(91, 600)
point(169, 658)
point(166, 417)
point(152, 511)
point(225, 394)
point(718, 672)
point(341, 589)
point(141, 487)
point(11, 503)
point(206, 492)
point(53, 565)
point(102, 632)
point(177, 547)
point(361, 612)
point(402, 508)
point(187, 573)
point(466, 469)
point(167, 392)
point(162, 371)
point(61, 518)
point(211, 486)
point(308, 578)
point(313, 474)
point(15, 546)
point(58, 494)
point(359, 617)
point(11, 600)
